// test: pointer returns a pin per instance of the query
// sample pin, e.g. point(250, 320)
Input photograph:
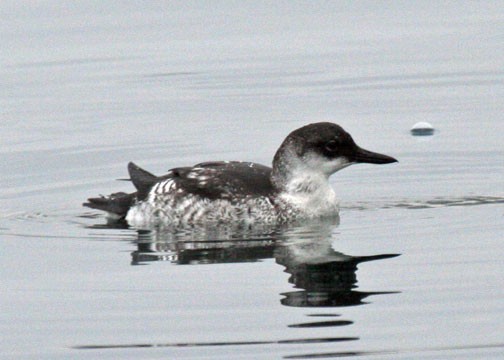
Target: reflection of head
point(326, 277)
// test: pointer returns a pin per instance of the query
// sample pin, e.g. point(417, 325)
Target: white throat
point(308, 188)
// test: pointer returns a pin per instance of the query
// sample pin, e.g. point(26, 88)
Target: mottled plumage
point(295, 188)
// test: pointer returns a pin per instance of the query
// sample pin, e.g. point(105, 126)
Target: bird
point(296, 188)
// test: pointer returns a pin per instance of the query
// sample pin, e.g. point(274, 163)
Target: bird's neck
point(302, 183)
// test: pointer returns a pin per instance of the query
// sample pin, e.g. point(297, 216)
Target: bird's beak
point(366, 156)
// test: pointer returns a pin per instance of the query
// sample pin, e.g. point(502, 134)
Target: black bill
point(366, 156)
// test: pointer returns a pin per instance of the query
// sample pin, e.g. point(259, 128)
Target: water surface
point(412, 270)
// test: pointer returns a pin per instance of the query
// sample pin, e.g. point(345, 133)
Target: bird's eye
point(331, 145)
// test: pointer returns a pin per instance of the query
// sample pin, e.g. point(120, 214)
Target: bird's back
point(213, 192)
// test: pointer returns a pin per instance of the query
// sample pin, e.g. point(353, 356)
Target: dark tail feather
point(117, 203)
point(142, 179)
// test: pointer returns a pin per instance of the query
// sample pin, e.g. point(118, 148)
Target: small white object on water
point(422, 128)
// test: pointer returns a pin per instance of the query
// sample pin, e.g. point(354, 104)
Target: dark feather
point(141, 179)
point(212, 180)
point(224, 180)
point(117, 203)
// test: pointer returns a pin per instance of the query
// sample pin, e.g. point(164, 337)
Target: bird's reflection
point(322, 276)
point(323, 281)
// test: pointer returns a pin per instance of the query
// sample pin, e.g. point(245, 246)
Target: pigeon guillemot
point(295, 188)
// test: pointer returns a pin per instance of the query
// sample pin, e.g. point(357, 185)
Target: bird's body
point(295, 188)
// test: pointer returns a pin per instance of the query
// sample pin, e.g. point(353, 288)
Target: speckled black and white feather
point(208, 192)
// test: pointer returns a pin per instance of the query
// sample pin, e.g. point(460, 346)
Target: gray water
point(412, 270)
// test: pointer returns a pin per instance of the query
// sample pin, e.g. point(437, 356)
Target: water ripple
point(437, 202)
point(223, 343)
point(393, 351)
